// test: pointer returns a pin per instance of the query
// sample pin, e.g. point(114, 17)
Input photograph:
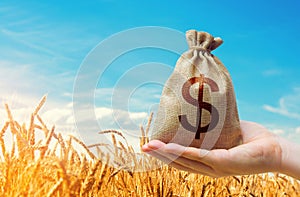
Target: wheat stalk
point(39, 106)
point(84, 146)
point(90, 179)
point(74, 173)
point(55, 187)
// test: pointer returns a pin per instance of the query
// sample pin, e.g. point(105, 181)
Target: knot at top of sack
point(202, 40)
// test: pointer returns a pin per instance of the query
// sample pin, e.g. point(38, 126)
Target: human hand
point(261, 151)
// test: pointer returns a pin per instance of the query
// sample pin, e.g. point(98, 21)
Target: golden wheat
point(33, 168)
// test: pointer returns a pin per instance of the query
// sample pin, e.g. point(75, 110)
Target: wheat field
point(31, 167)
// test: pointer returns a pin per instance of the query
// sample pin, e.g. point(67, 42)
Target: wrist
point(290, 158)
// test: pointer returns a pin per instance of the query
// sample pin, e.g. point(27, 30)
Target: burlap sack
point(198, 107)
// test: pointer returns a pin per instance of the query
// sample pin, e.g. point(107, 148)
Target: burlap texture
point(198, 107)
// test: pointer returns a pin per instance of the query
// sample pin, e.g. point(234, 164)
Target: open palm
point(260, 152)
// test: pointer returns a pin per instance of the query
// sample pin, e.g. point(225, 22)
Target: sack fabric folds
point(198, 106)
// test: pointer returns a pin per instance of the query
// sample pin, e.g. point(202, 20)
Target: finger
point(180, 167)
point(187, 152)
point(155, 148)
point(182, 163)
point(166, 159)
point(194, 166)
point(212, 161)
point(153, 145)
point(163, 155)
point(207, 162)
point(171, 163)
point(160, 157)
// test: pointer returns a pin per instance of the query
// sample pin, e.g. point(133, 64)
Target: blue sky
point(43, 44)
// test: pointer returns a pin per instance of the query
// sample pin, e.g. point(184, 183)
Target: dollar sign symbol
point(200, 104)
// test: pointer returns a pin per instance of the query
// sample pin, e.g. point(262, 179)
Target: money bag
point(198, 106)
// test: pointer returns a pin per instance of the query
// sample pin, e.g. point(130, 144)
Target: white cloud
point(101, 112)
point(57, 115)
point(12, 72)
point(29, 39)
point(138, 115)
point(294, 137)
point(282, 111)
point(297, 130)
point(278, 131)
point(33, 55)
point(61, 115)
point(289, 132)
point(288, 106)
point(271, 72)
point(143, 99)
